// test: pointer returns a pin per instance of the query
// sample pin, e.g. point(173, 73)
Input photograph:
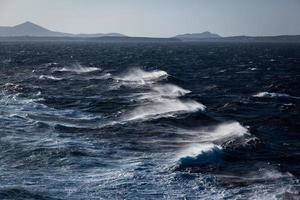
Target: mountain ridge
point(30, 29)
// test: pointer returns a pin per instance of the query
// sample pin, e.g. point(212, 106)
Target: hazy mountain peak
point(29, 25)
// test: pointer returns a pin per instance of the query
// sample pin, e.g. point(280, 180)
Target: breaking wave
point(170, 90)
point(200, 154)
point(224, 131)
point(205, 148)
point(139, 76)
point(100, 77)
point(161, 100)
point(163, 108)
point(164, 91)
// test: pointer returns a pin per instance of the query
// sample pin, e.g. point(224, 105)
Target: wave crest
point(207, 150)
point(164, 91)
point(49, 77)
point(273, 95)
point(164, 108)
point(200, 154)
point(139, 76)
point(77, 68)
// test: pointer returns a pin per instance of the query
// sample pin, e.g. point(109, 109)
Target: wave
point(161, 99)
point(170, 90)
point(101, 77)
point(225, 131)
point(206, 144)
point(16, 106)
point(166, 107)
point(218, 133)
point(77, 68)
point(49, 77)
point(273, 95)
point(200, 154)
point(164, 91)
point(139, 76)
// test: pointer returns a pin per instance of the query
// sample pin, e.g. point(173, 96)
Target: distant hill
point(261, 39)
point(197, 36)
point(33, 30)
point(102, 39)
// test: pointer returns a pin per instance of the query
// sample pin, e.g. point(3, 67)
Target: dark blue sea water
point(149, 121)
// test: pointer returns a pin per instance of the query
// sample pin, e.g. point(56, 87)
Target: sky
point(157, 18)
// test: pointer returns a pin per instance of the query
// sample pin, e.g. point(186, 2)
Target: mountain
point(197, 36)
point(261, 39)
point(33, 30)
point(212, 37)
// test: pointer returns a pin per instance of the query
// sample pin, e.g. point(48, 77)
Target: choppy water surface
point(149, 121)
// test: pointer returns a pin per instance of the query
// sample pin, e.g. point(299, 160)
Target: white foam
point(166, 107)
point(273, 95)
point(268, 174)
point(49, 77)
point(203, 148)
point(170, 90)
point(101, 77)
point(78, 68)
point(226, 131)
point(139, 76)
point(219, 133)
point(165, 90)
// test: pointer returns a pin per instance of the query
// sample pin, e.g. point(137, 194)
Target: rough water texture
point(149, 121)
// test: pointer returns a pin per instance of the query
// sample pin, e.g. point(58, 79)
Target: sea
point(149, 120)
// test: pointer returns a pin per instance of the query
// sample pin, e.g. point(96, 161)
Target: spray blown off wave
point(139, 76)
point(163, 91)
point(206, 151)
point(225, 131)
point(161, 100)
point(77, 68)
point(163, 108)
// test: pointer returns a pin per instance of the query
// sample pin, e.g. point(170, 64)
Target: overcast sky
point(157, 18)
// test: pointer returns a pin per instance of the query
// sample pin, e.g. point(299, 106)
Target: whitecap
point(139, 76)
point(218, 133)
point(165, 90)
point(170, 90)
point(252, 68)
point(205, 144)
point(49, 77)
point(200, 154)
point(163, 108)
point(273, 95)
point(77, 68)
point(225, 131)
point(101, 77)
